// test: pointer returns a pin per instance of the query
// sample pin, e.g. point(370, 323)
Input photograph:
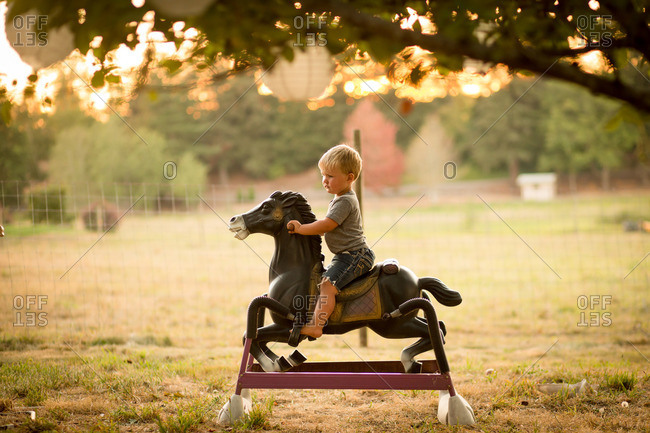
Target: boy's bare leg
point(322, 311)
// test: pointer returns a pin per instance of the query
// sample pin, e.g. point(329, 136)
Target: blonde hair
point(342, 157)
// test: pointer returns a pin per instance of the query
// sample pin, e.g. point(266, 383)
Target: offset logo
point(29, 31)
point(29, 310)
point(306, 303)
point(313, 37)
point(593, 310)
point(596, 29)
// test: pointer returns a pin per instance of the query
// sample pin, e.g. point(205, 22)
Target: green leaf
point(448, 63)
point(526, 73)
point(5, 112)
point(29, 91)
point(287, 53)
point(615, 121)
point(381, 50)
point(114, 79)
point(417, 74)
point(619, 57)
point(417, 27)
point(419, 6)
point(171, 65)
point(98, 79)
point(631, 115)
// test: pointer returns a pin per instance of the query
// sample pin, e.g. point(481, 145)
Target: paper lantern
point(306, 77)
point(37, 46)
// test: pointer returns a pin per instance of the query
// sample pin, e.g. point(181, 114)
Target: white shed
point(537, 186)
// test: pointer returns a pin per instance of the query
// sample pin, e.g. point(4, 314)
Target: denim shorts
point(348, 266)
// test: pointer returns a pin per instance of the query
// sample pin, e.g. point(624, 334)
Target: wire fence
point(147, 262)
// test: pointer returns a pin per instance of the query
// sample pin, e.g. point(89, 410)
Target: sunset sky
point(10, 62)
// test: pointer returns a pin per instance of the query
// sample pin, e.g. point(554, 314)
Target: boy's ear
point(351, 177)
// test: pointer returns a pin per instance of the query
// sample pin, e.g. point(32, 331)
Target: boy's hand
point(293, 226)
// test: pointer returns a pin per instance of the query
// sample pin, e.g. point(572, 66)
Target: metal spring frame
point(346, 375)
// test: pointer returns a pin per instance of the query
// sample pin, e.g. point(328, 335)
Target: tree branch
point(528, 59)
point(633, 23)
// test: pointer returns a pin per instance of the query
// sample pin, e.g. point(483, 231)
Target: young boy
point(340, 167)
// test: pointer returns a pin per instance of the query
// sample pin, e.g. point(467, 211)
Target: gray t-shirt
point(348, 235)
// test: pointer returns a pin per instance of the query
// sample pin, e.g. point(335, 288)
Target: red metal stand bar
point(327, 380)
point(246, 364)
point(342, 375)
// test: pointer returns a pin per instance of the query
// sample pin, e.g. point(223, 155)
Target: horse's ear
point(276, 194)
point(290, 201)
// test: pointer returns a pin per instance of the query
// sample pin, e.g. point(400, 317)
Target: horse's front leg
point(269, 360)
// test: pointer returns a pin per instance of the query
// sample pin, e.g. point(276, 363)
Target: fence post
point(358, 189)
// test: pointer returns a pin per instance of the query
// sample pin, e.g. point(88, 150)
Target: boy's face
point(335, 181)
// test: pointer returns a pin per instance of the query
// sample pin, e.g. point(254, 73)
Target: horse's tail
point(440, 291)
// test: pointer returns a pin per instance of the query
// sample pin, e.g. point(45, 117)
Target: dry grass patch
point(144, 333)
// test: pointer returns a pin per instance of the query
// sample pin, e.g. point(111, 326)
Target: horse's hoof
point(284, 364)
point(443, 327)
point(416, 367)
point(296, 358)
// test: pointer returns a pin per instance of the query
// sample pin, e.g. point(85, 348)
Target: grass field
point(141, 330)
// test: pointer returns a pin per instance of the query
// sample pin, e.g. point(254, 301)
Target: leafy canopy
point(544, 37)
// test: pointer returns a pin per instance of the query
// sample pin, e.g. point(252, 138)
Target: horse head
point(271, 216)
point(292, 251)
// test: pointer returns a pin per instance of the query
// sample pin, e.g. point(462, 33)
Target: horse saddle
point(360, 299)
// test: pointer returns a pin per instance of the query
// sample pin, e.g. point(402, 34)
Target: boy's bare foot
point(312, 331)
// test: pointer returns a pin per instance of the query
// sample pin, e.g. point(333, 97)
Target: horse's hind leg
point(414, 327)
point(410, 352)
point(268, 352)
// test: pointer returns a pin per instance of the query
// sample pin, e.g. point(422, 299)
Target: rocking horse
point(386, 300)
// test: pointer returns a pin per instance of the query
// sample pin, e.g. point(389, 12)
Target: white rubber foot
point(454, 410)
point(235, 408)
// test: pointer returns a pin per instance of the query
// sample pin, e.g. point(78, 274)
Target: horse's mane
point(306, 216)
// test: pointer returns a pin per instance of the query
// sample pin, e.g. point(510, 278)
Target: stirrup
point(294, 336)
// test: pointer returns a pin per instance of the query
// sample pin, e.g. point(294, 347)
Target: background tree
point(546, 37)
point(235, 130)
point(551, 126)
point(511, 142)
point(24, 145)
point(577, 134)
point(261, 137)
point(108, 155)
